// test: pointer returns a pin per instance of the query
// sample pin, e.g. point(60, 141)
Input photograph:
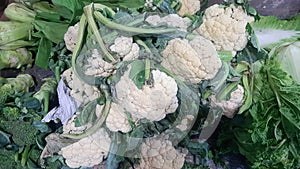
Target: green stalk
point(88, 11)
point(249, 89)
point(79, 43)
point(125, 28)
point(101, 7)
point(97, 124)
point(25, 155)
point(147, 69)
point(273, 88)
point(142, 43)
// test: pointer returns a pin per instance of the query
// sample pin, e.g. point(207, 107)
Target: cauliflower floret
point(81, 91)
point(97, 66)
point(226, 27)
point(71, 37)
point(125, 48)
point(158, 153)
point(193, 60)
point(152, 102)
point(189, 7)
point(88, 151)
point(173, 20)
point(232, 105)
point(117, 120)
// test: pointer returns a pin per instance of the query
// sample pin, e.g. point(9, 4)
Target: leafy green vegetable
point(288, 55)
point(268, 135)
point(271, 31)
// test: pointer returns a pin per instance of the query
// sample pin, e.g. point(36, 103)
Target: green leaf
point(126, 4)
point(137, 73)
point(76, 6)
point(4, 139)
point(41, 126)
point(52, 30)
point(44, 53)
point(87, 115)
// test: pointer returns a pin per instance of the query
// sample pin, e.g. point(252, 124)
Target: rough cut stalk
point(120, 27)
point(43, 95)
point(97, 124)
point(11, 31)
point(15, 58)
point(88, 11)
point(19, 12)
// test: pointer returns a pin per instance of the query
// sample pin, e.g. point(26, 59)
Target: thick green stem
point(79, 43)
point(88, 11)
point(25, 155)
point(142, 43)
point(273, 88)
point(97, 124)
point(125, 28)
point(147, 69)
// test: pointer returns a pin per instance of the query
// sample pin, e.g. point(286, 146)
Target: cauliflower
point(116, 119)
point(125, 48)
point(193, 60)
point(152, 102)
point(97, 66)
point(158, 153)
point(81, 91)
point(88, 151)
point(230, 106)
point(173, 20)
point(71, 37)
point(225, 27)
point(189, 7)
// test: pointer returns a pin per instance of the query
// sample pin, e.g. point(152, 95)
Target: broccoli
point(9, 114)
point(23, 133)
point(7, 159)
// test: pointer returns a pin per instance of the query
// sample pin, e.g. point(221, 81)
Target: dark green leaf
point(44, 53)
point(76, 6)
point(4, 139)
point(137, 73)
point(41, 126)
point(52, 30)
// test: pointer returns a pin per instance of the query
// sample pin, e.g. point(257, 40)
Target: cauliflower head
point(97, 66)
point(152, 102)
point(117, 120)
point(232, 105)
point(71, 37)
point(158, 153)
point(88, 151)
point(81, 91)
point(226, 27)
point(173, 20)
point(125, 48)
point(193, 60)
point(189, 7)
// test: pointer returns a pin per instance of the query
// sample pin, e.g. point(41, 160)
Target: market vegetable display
point(145, 84)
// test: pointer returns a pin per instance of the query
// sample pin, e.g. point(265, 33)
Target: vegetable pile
point(145, 84)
